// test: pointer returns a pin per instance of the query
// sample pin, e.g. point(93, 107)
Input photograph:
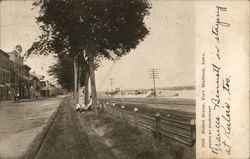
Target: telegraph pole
point(153, 74)
point(111, 83)
point(111, 87)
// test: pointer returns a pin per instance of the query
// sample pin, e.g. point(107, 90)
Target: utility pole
point(153, 74)
point(111, 87)
point(18, 73)
point(111, 84)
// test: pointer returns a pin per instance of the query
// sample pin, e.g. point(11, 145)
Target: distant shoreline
point(174, 88)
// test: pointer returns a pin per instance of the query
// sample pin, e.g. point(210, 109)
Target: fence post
point(193, 131)
point(113, 107)
point(158, 126)
point(122, 115)
point(108, 108)
point(98, 107)
point(135, 116)
point(102, 109)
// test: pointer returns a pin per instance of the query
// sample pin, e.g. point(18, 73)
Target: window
point(1, 76)
point(4, 76)
point(1, 61)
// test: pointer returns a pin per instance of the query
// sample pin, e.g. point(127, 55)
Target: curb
point(37, 142)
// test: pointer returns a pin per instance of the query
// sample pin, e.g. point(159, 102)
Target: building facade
point(15, 77)
point(17, 73)
point(5, 75)
point(25, 82)
point(35, 85)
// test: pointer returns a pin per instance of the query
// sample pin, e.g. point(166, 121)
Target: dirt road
point(21, 122)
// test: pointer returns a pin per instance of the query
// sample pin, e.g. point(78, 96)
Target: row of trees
point(87, 31)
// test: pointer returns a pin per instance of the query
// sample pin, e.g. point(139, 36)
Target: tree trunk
point(92, 80)
point(75, 79)
point(86, 89)
point(78, 83)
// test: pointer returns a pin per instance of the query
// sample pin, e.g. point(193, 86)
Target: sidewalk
point(65, 138)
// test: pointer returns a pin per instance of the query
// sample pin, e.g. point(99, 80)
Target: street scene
point(91, 79)
point(21, 122)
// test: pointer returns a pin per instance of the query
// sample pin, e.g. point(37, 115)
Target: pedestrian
point(36, 95)
point(78, 106)
point(89, 105)
point(83, 107)
point(18, 96)
point(9, 94)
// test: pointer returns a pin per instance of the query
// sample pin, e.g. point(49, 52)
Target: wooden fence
point(183, 132)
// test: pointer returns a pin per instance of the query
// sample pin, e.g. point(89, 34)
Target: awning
point(7, 84)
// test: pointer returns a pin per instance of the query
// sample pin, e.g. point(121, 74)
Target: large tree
point(63, 71)
point(91, 29)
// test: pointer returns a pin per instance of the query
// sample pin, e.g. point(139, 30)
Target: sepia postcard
point(124, 79)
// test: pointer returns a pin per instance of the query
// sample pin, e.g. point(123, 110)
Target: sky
point(18, 27)
point(169, 47)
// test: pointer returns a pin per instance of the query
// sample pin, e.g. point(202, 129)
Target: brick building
point(25, 81)
point(35, 85)
point(15, 77)
point(5, 75)
point(16, 74)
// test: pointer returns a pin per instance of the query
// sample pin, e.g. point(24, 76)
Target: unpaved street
point(21, 122)
point(52, 129)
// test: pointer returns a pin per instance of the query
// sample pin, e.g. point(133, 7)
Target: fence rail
point(183, 132)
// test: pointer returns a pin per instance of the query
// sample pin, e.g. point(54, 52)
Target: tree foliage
point(90, 29)
point(106, 26)
point(63, 71)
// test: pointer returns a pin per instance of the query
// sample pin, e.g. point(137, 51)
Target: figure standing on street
point(36, 94)
point(9, 95)
point(17, 96)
